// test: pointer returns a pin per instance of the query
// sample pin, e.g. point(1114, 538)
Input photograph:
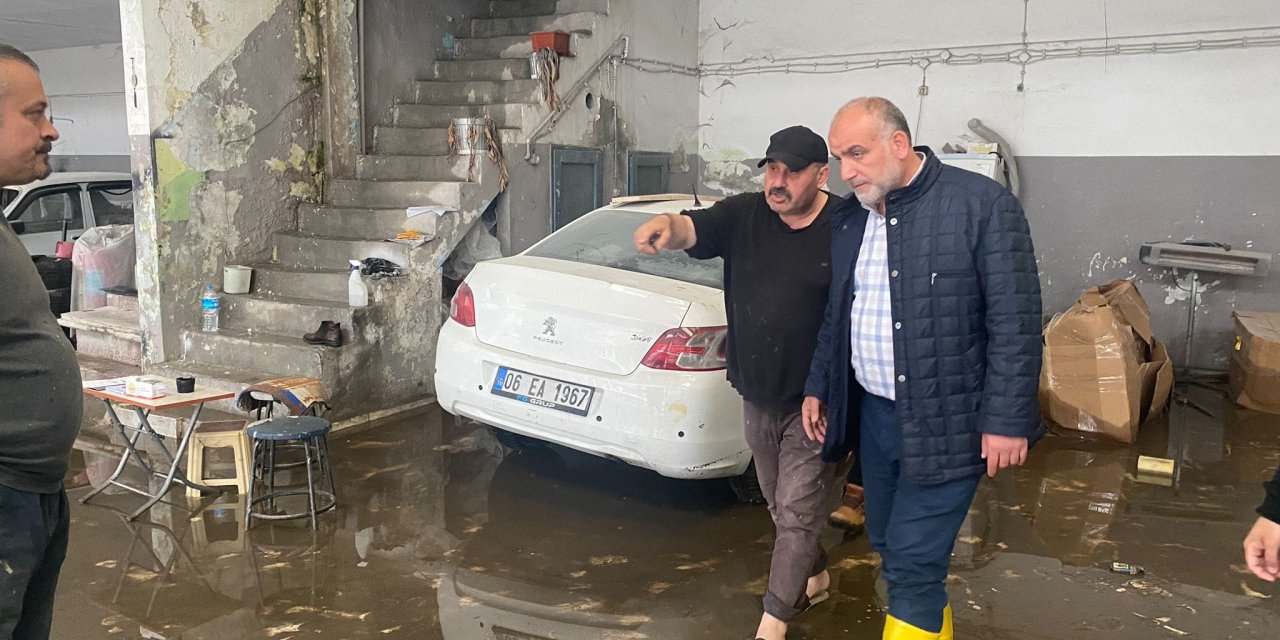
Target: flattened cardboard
point(1255, 361)
point(1104, 372)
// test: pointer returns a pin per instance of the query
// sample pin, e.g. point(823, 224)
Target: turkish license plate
point(541, 391)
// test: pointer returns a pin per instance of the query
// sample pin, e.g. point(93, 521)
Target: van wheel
point(515, 441)
point(747, 486)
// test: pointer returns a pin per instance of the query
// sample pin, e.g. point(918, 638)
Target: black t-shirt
point(775, 292)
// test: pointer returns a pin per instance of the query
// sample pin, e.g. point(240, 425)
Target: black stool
point(307, 432)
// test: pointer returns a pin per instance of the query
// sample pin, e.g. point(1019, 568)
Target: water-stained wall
point(223, 102)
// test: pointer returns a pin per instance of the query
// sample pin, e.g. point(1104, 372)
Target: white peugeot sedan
point(584, 342)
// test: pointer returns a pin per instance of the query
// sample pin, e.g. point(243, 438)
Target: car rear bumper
point(679, 424)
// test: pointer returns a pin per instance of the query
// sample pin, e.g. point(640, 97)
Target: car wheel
point(54, 273)
point(747, 486)
point(515, 441)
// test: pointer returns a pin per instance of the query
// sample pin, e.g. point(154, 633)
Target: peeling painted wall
point(223, 113)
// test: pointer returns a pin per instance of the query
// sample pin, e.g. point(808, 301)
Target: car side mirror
point(19, 227)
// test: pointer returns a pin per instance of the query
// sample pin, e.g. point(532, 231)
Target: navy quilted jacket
point(966, 308)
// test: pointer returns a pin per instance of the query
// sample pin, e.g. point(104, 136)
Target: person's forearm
point(683, 235)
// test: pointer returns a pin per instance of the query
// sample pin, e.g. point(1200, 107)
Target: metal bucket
point(468, 135)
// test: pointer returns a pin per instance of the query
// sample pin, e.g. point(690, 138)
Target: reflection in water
point(442, 533)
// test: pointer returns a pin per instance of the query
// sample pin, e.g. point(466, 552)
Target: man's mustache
point(45, 148)
point(779, 191)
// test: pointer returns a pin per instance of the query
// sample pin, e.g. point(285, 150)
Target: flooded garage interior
point(442, 532)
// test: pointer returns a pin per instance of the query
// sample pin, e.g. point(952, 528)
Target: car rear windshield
point(603, 238)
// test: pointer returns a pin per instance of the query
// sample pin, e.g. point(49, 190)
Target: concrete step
point(583, 22)
point(233, 379)
point(107, 332)
point(475, 91)
point(518, 46)
point(507, 116)
point(380, 168)
point(281, 355)
point(358, 223)
point(408, 141)
point(396, 194)
point(295, 249)
point(290, 316)
point(524, 8)
point(496, 69)
point(319, 284)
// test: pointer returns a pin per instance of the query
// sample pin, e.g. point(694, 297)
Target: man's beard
point(43, 167)
point(871, 197)
point(878, 190)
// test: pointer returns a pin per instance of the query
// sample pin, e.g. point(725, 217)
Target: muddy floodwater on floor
point(443, 533)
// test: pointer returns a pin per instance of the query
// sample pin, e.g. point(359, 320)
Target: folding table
point(144, 407)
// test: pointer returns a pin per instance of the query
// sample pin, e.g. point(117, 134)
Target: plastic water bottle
point(209, 306)
point(357, 290)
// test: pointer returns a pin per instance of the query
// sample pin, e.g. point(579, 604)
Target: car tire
point(515, 441)
point(55, 273)
point(747, 486)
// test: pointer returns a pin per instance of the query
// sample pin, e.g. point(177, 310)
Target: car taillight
point(462, 309)
point(689, 349)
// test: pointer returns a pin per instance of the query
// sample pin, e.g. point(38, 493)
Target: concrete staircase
point(388, 359)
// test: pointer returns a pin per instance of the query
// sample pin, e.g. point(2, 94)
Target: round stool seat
point(289, 428)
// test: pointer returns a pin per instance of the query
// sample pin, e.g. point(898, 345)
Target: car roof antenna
point(696, 201)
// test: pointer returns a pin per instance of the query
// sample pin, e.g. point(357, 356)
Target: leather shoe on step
point(329, 334)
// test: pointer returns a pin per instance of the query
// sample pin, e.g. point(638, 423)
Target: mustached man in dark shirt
point(39, 379)
point(776, 247)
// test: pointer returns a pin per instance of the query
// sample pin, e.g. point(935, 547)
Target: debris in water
point(1126, 568)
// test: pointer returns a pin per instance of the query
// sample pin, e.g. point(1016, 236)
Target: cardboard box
point(1104, 372)
point(1255, 361)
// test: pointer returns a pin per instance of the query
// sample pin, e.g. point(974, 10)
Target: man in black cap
point(776, 247)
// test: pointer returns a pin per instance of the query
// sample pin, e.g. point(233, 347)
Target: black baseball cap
point(797, 147)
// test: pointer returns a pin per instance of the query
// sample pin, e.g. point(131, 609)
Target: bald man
point(928, 361)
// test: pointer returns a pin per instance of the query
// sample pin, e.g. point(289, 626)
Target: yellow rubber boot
point(895, 629)
point(948, 632)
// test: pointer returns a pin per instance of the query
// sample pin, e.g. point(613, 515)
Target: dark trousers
point(912, 526)
point(33, 544)
point(795, 481)
point(855, 472)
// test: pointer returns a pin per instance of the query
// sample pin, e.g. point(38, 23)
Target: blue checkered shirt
point(871, 317)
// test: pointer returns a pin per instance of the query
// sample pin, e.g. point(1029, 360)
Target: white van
point(63, 205)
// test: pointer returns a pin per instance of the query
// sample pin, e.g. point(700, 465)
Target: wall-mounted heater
point(1202, 256)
